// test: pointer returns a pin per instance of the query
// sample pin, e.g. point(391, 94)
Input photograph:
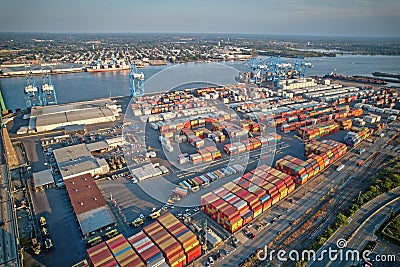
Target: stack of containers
point(215, 153)
point(255, 142)
point(353, 139)
point(183, 158)
point(123, 252)
point(318, 130)
point(198, 132)
point(230, 212)
point(180, 192)
point(294, 167)
point(197, 142)
point(230, 149)
point(237, 203)
point(195, 158)
point(185, 237)
point(345, 123)
point(169, 246)
point(240, 147)
point(273, 138)
point(202, 122)
point(320, 155)
point(147, 250)
point(218, 136)
point(101, 256)
point(205, 155)
point(254, 127)
point(250, 144)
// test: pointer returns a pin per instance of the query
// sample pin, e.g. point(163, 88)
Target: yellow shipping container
point(257, 213)
point(274, 201)
point(284, 193)
point(236, 225)
point(178, 261)
point(191, 245)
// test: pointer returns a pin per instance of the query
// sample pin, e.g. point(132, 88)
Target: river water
point(85, 86)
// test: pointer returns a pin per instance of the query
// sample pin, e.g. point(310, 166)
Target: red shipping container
point(193, 254)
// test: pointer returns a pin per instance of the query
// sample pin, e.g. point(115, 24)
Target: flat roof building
point(54, 117)
point(43, 179)
point(89, 205)
point(77, 160)
point(115, 141)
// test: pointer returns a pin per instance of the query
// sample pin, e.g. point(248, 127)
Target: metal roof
point(96, 146)
point(75, 160)
point(42, 178)
point(84, 193)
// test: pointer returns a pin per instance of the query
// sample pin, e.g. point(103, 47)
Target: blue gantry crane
point(32, 94)
point(136, 80)
point(48, 91)
point(274, 69)
point(300, 65)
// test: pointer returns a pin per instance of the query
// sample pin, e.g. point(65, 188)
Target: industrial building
point(55, 117)
point(77, 160)
point(115, 142)
point(42, 180)
point(89, 205)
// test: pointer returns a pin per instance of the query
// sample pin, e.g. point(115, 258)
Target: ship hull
point(107, 70)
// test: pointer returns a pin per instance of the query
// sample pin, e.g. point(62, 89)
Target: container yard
point(237, 203)
point(165, 242)
point(290, 135)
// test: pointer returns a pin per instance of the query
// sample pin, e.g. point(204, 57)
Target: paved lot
point(131, 200)
point(69, 247)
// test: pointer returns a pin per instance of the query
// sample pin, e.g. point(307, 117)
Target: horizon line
point(196, 33)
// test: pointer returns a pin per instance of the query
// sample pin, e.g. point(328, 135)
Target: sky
point(299, 17)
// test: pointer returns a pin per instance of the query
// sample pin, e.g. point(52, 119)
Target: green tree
point(341, 220)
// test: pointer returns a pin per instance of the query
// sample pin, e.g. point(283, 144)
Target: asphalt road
point(360, 229)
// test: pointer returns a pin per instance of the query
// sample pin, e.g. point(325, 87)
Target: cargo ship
point(385, 74)
point(358, 79)
point(105, 68)
point(48, 92)
point(32, 95)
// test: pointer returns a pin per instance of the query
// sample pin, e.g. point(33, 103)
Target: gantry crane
point(136, 79)
point(48, 91)
point(32, 94)
point(274, 69)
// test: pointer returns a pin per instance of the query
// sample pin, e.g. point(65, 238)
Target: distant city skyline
point(290, 17)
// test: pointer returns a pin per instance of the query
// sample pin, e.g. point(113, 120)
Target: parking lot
point(54, 205)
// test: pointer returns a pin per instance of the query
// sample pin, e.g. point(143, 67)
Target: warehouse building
point(100, 146)
point(55, 117)
point(77, 160)
point(42, 180)
point(115, 142)
point(89, 205)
